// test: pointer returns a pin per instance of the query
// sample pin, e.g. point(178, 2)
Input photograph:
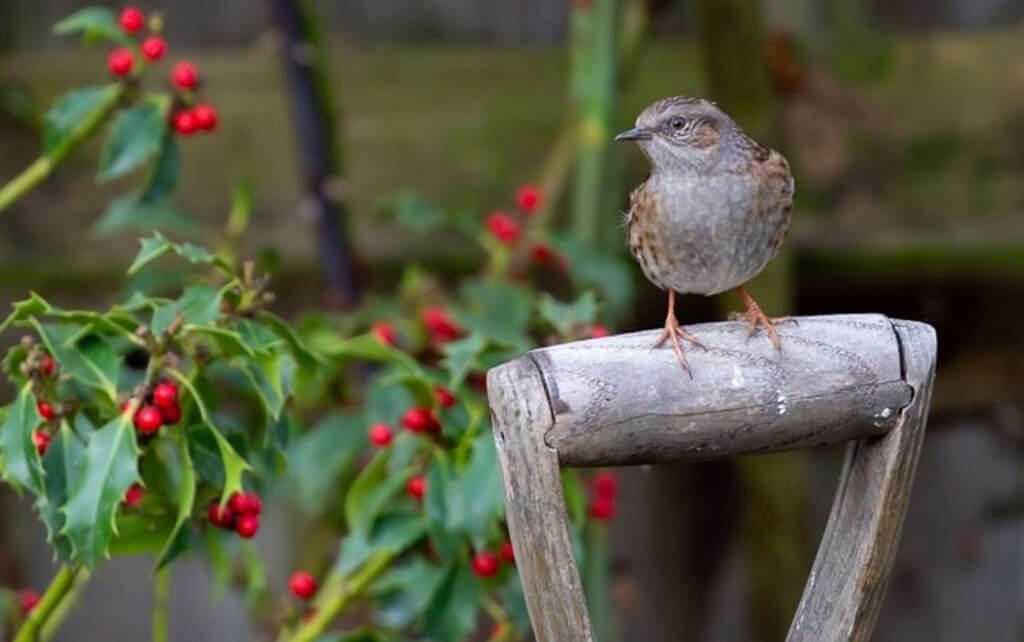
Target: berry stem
point(60, 612)
point(43, 166)
point(161, 597)
point(337, 595)
point(59, 586)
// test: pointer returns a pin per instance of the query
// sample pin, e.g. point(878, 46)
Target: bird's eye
point(677, 123)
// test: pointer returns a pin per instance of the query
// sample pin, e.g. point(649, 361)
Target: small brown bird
point(713, 211)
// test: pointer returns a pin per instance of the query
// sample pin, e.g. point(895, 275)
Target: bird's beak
point(637, 133)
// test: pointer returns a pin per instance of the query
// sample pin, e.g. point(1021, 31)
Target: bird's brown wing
point(777, 189)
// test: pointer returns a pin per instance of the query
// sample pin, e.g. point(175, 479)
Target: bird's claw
point(674, 332)
point(754, 317)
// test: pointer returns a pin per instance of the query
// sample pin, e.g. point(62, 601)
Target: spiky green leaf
point(22, 465)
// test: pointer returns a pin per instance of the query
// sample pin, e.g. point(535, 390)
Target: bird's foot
point(754, 317)
point(674, 332)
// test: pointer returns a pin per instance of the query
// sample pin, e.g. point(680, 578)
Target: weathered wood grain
point(619, 402)
point(847, 582)
point(615, 401)
point(534, 504)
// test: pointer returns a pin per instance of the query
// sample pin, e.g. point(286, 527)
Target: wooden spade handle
point(615, 401)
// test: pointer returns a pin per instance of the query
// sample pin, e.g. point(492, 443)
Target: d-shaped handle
point(614, 401)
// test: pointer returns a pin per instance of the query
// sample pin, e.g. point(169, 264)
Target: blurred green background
point(904, 123)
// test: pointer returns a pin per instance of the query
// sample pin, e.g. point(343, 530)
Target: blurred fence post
point(594, 47)
point(316, 121)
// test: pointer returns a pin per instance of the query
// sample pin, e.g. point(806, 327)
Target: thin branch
point(62, 582)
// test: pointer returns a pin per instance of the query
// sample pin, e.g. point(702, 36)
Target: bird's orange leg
point(674, 332)
point(754, 317)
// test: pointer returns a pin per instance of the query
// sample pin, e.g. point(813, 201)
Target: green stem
point(62, 582)
point(60, 612)
point(338, 595)
point(161, 598)
point(41, 169)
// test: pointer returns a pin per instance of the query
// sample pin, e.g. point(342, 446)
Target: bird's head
point(681, 133)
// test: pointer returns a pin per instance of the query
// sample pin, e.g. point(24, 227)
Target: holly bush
point(158, 425)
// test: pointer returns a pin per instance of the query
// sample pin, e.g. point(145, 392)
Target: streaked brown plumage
point(713, 212)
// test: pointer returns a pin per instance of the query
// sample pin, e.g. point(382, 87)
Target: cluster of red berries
point(241, 514)
point(507, 228)
point(419, 419)
point(186, 120)
point(302, 585)
point(487, 563)
point(602, 504)
point(162, 408)
point(441, 328)
point(41, 437)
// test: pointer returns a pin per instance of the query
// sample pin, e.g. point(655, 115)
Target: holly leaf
point(136, 135)
point(565, 317)
point(70, 110)
point(32, 306)
point(453, 608)
point(593, 267)
point(95, 24)
point(157, 245)
point(89, 358)
point(393, 534)
point(22, 465)
point(306, 358)
point(230, 343)
point(271, 376)
point(234, 466)
point(477, 495)
point(372, 489)
point(132, 212)
point(186, 482)
point(435, 507)
point(62, 465)
point(199, 305)
point(404, 592)
point(462, 356)
point(166, 174)
point(500, 311)
point(321, 456)
point(109, 467)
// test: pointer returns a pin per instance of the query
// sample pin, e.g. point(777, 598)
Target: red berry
point(45, 410)
point(42, 441)
point(597, 331)
point(120, 62)
point(206, 117)
point(131, 19)
point(485, 564)
point(508, 554)
point(503, 227)
point(185, 123)
point(220, 516)
point(27, 600)
point(606, 484)
point(148, 419)
point(48, 367)
point(380, 434)
point(154, 48)
point(303, 585)
point(384, 332)
point(444, 397)
point(602, 508)
point(171, 414)
point(542, 254)
point(133, 496)
point(245, 504)
point(247, 525)
point(165, 394)
point(440, 325)
point(420, 420)
point(416, 487)
point(529, 198)
point(184, 75)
